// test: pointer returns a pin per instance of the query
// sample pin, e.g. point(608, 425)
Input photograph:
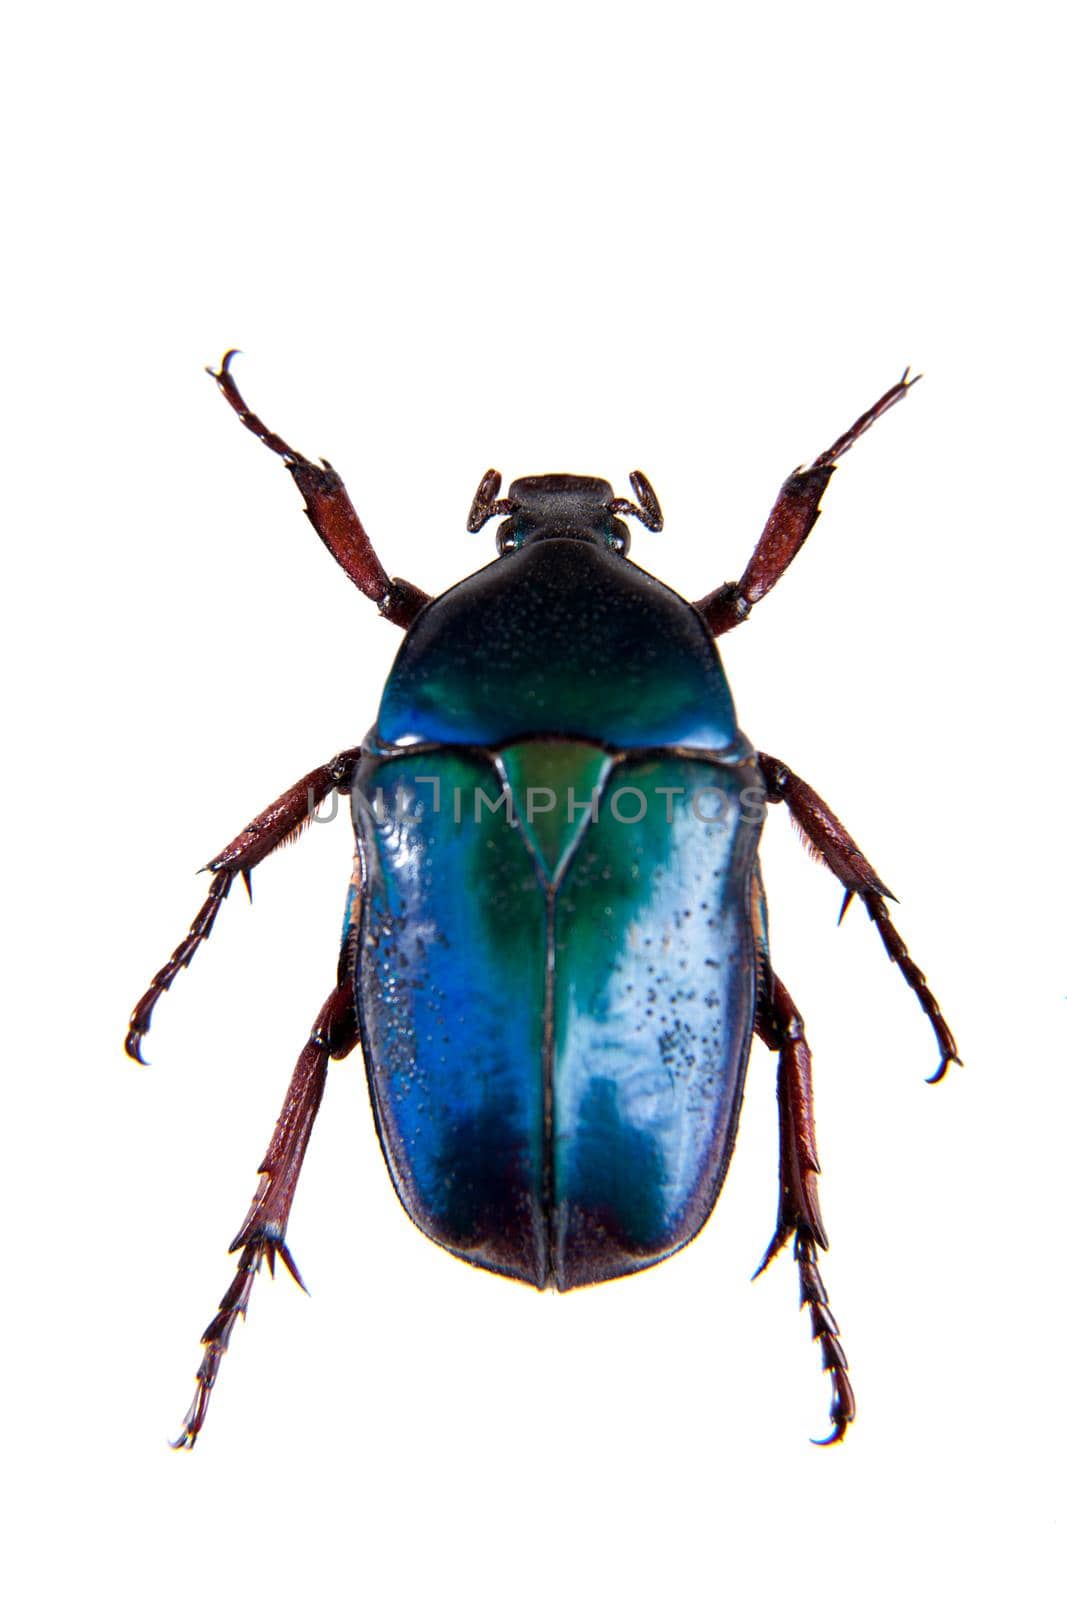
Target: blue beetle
point(555, 945)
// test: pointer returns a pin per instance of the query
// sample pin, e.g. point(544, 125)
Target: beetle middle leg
point(279, 824)
point(781, 1027)
point(262, 1234)
point(793, 515)
point(831, 843)
point(331, 513)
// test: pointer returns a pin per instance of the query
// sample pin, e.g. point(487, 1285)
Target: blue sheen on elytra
point(560, 637)
point(615, 1011)
point(452, 987)
point(654, 999)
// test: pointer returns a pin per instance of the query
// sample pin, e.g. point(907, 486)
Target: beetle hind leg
point(262, 1234)
point(781, 1027)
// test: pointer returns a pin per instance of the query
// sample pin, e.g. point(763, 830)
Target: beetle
point(555, 948)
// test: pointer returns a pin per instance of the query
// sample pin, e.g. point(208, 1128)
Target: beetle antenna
point(485, 504)
point(647, 509)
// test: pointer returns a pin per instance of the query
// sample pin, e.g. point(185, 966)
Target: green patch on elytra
point(555, 785)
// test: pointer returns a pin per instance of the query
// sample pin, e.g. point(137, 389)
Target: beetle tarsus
point(897, 952)
point(216, 1340)
point(824, 1328)
point(892, 395)
point(200, 928)
point(234, 398)
point(261, 1236)
point(781, 1027)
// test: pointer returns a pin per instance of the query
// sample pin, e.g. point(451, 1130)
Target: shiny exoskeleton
point(555, 948)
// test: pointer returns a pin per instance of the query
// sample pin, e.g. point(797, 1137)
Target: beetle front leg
point(793, 515)
point(279, 824)
point(833, 844)
point(781, 1027)
point(262, 1234)
point(331, 514)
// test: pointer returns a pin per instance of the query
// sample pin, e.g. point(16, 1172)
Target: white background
point(698, 240)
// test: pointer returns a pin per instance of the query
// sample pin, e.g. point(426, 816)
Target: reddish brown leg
point(781, 1027)
point(279, 824)
point(792, 518)
point(262, 1234)
point(331, 513)
point(833, 844)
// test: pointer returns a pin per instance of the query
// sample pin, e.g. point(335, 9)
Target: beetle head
point(559, 505)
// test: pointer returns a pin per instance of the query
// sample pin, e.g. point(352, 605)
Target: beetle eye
point(505, 538)
point(620, 539)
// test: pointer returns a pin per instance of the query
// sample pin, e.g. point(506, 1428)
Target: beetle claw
point(133, 1047)
point(946, 1062)
point(224, 366)
point(842, 1408)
